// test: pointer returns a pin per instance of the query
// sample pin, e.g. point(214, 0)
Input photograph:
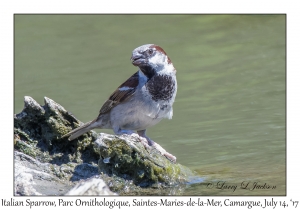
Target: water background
point(229, 118)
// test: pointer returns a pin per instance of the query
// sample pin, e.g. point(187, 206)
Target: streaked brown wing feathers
point(119, 96)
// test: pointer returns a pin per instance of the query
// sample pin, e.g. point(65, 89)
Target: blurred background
point(229, 114)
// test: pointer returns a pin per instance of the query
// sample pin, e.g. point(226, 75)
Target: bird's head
point(150, 58)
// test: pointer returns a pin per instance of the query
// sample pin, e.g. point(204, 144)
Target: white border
point(8, 8)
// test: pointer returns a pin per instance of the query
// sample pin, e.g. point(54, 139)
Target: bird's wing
point(122, 94)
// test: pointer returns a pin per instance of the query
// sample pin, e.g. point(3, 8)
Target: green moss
point(123, 158)
point(84, 143)
point(25, 148)
point(23, 143)
point(57, 127)
point(38, 131)
point(19, 134)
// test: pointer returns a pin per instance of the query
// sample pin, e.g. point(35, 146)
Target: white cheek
point(157, 59)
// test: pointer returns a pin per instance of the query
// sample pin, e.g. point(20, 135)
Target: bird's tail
point(81, 130)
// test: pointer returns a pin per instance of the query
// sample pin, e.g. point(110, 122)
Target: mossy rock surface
point(126, 157)
point(38, 131)
point(122, 162)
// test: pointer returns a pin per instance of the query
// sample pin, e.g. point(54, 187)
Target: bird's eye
point(150, 51)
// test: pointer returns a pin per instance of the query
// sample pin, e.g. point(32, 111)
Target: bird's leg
point(142, 133)
point(119, 131)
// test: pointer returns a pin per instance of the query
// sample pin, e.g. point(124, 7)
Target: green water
point(229, 113)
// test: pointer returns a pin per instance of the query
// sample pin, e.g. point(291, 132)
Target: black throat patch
point(161, 87)
point(148, 70)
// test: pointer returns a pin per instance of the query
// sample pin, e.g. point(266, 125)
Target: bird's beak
point(137, 58)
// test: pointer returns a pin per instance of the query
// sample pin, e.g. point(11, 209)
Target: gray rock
point(92, 186)
point(35, 178)
point(24, 184)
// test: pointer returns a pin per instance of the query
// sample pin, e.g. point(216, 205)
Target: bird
point(142, 101)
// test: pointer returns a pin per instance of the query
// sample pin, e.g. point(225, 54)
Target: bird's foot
point(169, 156)
point(144, 141)
point(147, 142)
